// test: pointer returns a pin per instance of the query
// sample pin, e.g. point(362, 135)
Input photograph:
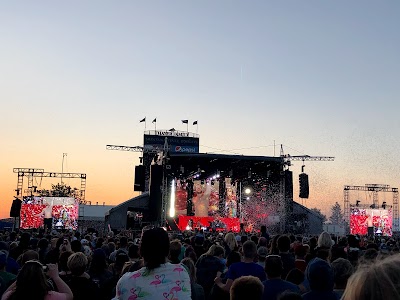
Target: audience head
point(249, 249)
point(123, 242)
point(232, 258)
point(77, 263)
point(31, 282)
point(273, 266)
point(295, 276)
point(246, 287)
point(175, 247)
point(76, 246)
point(300, 251)
point(28, 255)
point(63, 260)
point(263, 229)
point(290, 296)
point(379, 281)
point(219, 251)
point(262, 253)
point(154, 247)
point(43, 244)
point(342, 270)
point(133, 251)
point(262, 242)
point(336, 252)
point(99, 261)
point(284, 243)
point(189, 264)
point(230, 240)
point(320, 275)
point(325, 240)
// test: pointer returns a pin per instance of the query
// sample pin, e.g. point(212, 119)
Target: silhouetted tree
point(336, 214)
point(318, 212)
point(59, 190)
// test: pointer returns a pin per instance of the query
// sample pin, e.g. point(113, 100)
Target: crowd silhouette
point(156, 264)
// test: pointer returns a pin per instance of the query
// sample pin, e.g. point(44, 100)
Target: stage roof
point(236, 166)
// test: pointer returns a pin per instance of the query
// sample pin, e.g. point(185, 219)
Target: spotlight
point(384, 205)
point(247, 191)
point(358, 203)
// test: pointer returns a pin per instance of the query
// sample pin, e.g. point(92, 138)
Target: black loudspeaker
point(304, 187)
point(15, 208)
point(370, 231)
point(140, 177)
point(155, 195)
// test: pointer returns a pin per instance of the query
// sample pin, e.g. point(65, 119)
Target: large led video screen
point(379, 219)
point(62, 211)
point(206, 197)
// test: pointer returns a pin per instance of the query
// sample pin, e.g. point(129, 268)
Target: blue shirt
point(240, 269)
point(274, 287)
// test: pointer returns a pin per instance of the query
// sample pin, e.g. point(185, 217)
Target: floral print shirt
point(167, 282)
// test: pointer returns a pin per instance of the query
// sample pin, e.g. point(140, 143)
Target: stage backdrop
point(64, 212)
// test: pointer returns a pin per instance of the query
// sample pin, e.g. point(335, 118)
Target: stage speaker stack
point(139, 185)
point(304, 186)
point(155, 195)
point(15, 208)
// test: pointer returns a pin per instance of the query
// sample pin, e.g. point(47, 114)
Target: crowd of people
point(156, 264)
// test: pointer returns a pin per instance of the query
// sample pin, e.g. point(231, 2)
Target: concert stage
point(232, 188)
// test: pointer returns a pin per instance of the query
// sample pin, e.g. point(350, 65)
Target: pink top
point(50, 296)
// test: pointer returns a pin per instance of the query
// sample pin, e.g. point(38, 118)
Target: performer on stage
point(231, 203)
point(201, 199)
point(47, 214)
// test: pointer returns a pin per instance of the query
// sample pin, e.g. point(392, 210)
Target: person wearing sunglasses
point(32, 284)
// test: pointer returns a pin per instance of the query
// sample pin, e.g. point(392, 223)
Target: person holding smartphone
point(32, 283)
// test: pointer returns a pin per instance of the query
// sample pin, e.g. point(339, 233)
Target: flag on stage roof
point(185, 121)
point(155, 120)
point(142, 120)
point(195, 123)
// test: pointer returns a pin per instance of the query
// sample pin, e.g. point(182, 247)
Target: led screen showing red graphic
point(62, 210)
point(379, 219)
point(219, 224)
point(206, 199)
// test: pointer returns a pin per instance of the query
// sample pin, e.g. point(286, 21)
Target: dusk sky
point(319, 77)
